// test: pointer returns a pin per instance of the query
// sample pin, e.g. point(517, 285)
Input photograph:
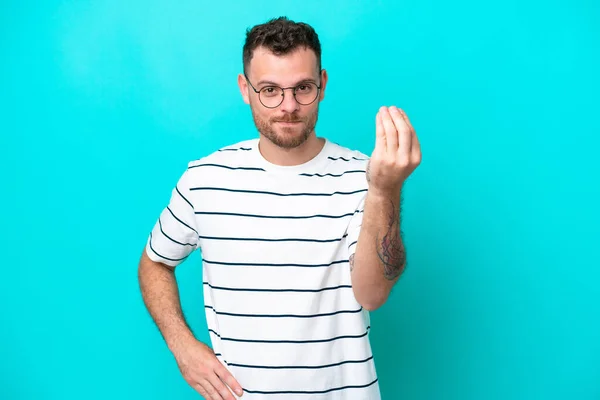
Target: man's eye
point(270, 91)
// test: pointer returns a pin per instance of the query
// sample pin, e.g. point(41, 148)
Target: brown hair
point(281, 36)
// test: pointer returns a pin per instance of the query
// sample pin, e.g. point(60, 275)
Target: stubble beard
point(286, 139)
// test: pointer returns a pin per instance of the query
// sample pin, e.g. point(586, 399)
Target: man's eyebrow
point(305, 80)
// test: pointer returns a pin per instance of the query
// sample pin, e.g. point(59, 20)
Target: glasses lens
point(306, 93)
point(271, 96)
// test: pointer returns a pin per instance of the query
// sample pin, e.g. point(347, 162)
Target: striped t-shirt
point(275, 243)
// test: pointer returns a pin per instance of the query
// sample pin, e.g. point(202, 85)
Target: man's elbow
point(371, 302)
point(147, 266)
point(371, 306)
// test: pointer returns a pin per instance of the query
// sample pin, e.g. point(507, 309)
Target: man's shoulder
point(226, 154)
point(339, 152)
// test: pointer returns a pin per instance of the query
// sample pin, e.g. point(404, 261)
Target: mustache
point(288, 118)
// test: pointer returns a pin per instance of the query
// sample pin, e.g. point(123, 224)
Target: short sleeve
point(174, 235)
point(355, 225)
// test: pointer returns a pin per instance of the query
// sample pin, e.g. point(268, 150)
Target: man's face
point(289, 124)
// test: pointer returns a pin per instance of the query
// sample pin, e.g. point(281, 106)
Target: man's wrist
point(384, 195)
point(180, 341)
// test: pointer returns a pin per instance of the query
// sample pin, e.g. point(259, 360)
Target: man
point(300, 239)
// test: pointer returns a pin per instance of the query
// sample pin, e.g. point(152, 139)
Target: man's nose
point(289, 103)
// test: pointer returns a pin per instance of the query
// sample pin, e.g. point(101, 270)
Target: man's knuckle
point(384, 161)
point(187, 377)
point(402, 162)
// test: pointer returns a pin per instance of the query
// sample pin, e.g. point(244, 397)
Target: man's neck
point(289, 157)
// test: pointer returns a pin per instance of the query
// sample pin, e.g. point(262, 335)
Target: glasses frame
point(293, 88)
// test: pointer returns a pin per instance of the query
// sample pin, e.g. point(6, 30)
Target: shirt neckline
point(308, 166)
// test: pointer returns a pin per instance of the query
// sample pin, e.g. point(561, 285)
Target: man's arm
point(161, 297)
point(197, 362)
point(380, 256)
point(173, 238)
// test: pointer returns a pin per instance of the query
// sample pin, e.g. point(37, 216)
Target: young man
point(300, 239)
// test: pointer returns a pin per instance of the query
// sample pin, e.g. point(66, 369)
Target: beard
point(286, 137)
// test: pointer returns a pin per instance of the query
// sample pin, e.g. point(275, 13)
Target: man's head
point(283, 54)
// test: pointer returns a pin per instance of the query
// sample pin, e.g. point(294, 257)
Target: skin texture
point(391, 251)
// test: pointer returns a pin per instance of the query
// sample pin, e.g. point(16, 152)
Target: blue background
point(103, 103)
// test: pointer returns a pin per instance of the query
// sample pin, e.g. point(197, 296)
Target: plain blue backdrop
point(103, 103)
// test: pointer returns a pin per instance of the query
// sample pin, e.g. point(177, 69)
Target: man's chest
point(270, 216)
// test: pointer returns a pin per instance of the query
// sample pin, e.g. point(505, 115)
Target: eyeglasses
point(272, 96)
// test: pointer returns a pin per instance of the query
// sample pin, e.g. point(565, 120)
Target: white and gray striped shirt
point(275, 244)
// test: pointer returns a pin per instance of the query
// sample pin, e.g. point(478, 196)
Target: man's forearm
point(161, 297)
point(380, 256)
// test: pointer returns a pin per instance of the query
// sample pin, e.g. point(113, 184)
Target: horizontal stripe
point(350, 245)
point(226, 167)
point(274, 216)
point(292, 341)
point(239, 148)
point(273, 240)
point(183, 223)
point(160, 255)
point(311, 392)
point(300, 366)
point(273, 265)
point(275, 193)
point(183, 197)
point(169, 237)
point(284, 315)
point(335, 175)
point(342, 158)
point(277, 290)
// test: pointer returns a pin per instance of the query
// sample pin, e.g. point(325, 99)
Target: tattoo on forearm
point(390, 248)
point(351, 262)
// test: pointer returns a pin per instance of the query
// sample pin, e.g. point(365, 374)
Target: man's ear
point(323, 84)
point(243, 84)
